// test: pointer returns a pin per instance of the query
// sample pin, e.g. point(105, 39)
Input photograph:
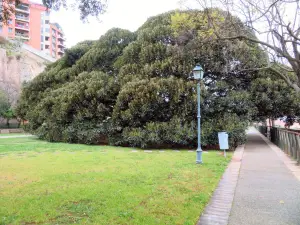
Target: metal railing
point(22, 7)
point(22, 35)
point(18, 17)
point(22, 26)
point(263, 130)
point(287, 140)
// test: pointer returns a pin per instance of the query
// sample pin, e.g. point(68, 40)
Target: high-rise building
point(57, 39)
point(31, 24)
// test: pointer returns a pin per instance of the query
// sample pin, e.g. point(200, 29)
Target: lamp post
point(198, 75)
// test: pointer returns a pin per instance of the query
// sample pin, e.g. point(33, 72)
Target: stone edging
point(11, 130)
point(218, 209)
point(16, 136)
point(290, 163)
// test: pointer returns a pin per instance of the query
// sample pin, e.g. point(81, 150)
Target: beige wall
point(14, 70)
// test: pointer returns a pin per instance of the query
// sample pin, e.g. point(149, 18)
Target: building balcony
point(22, 8)
point(22, 36)
point(22, 18)
point(60, 51)
point(22, 27)
point(61, 45)
point(59, 37)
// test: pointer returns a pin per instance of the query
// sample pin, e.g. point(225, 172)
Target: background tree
point(277, 24)
point(8, 115)
point(86, 8)
point(6, 108)
point(274, 99)
point(4, 103)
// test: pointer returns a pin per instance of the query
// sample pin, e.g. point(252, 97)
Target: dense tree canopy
point(135, 88)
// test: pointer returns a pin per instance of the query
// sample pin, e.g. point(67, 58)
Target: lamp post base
point(199, 156)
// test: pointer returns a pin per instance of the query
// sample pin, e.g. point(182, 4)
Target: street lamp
point(198, 75)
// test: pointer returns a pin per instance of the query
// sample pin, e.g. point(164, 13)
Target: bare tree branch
point(277, 23)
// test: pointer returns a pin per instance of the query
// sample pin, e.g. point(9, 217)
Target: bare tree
point(276, 23)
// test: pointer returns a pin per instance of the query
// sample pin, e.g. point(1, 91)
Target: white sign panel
point(223, 140)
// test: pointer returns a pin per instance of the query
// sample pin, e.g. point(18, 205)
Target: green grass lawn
point(56, 183)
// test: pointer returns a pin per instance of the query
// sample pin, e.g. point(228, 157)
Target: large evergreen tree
point(135, 88)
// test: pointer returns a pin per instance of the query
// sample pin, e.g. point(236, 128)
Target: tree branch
point(292, 33)
point(285, 78)
point(276, 49)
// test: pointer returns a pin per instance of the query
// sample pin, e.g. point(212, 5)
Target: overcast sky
point(126, 14)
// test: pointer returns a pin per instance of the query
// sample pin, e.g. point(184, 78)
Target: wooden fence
point(287, 140)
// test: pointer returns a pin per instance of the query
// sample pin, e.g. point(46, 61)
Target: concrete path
point(267, 192)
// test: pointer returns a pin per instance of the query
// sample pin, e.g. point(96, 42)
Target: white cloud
point(126, 14)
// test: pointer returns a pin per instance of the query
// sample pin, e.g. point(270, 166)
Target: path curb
point(16, 136)
point(218, 209)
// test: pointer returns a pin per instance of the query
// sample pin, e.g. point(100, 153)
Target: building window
point(10, 21)
point(42, 38)
point(10, 30)
point(0, 28)
point(42, 30)
point(48, 13)
point(46, 21)
point(42, 47)
point(47, 30)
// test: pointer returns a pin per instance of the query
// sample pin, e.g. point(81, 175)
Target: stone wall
point(18, 68)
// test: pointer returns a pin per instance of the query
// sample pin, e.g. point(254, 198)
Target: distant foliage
point(134, 89)
point(274, 99)
point(6, 109)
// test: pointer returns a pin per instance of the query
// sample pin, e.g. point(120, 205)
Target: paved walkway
point(267, 192)
point(16, 136)
point(261, 186)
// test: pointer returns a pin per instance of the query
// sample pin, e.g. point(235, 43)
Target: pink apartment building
point(31, 24)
